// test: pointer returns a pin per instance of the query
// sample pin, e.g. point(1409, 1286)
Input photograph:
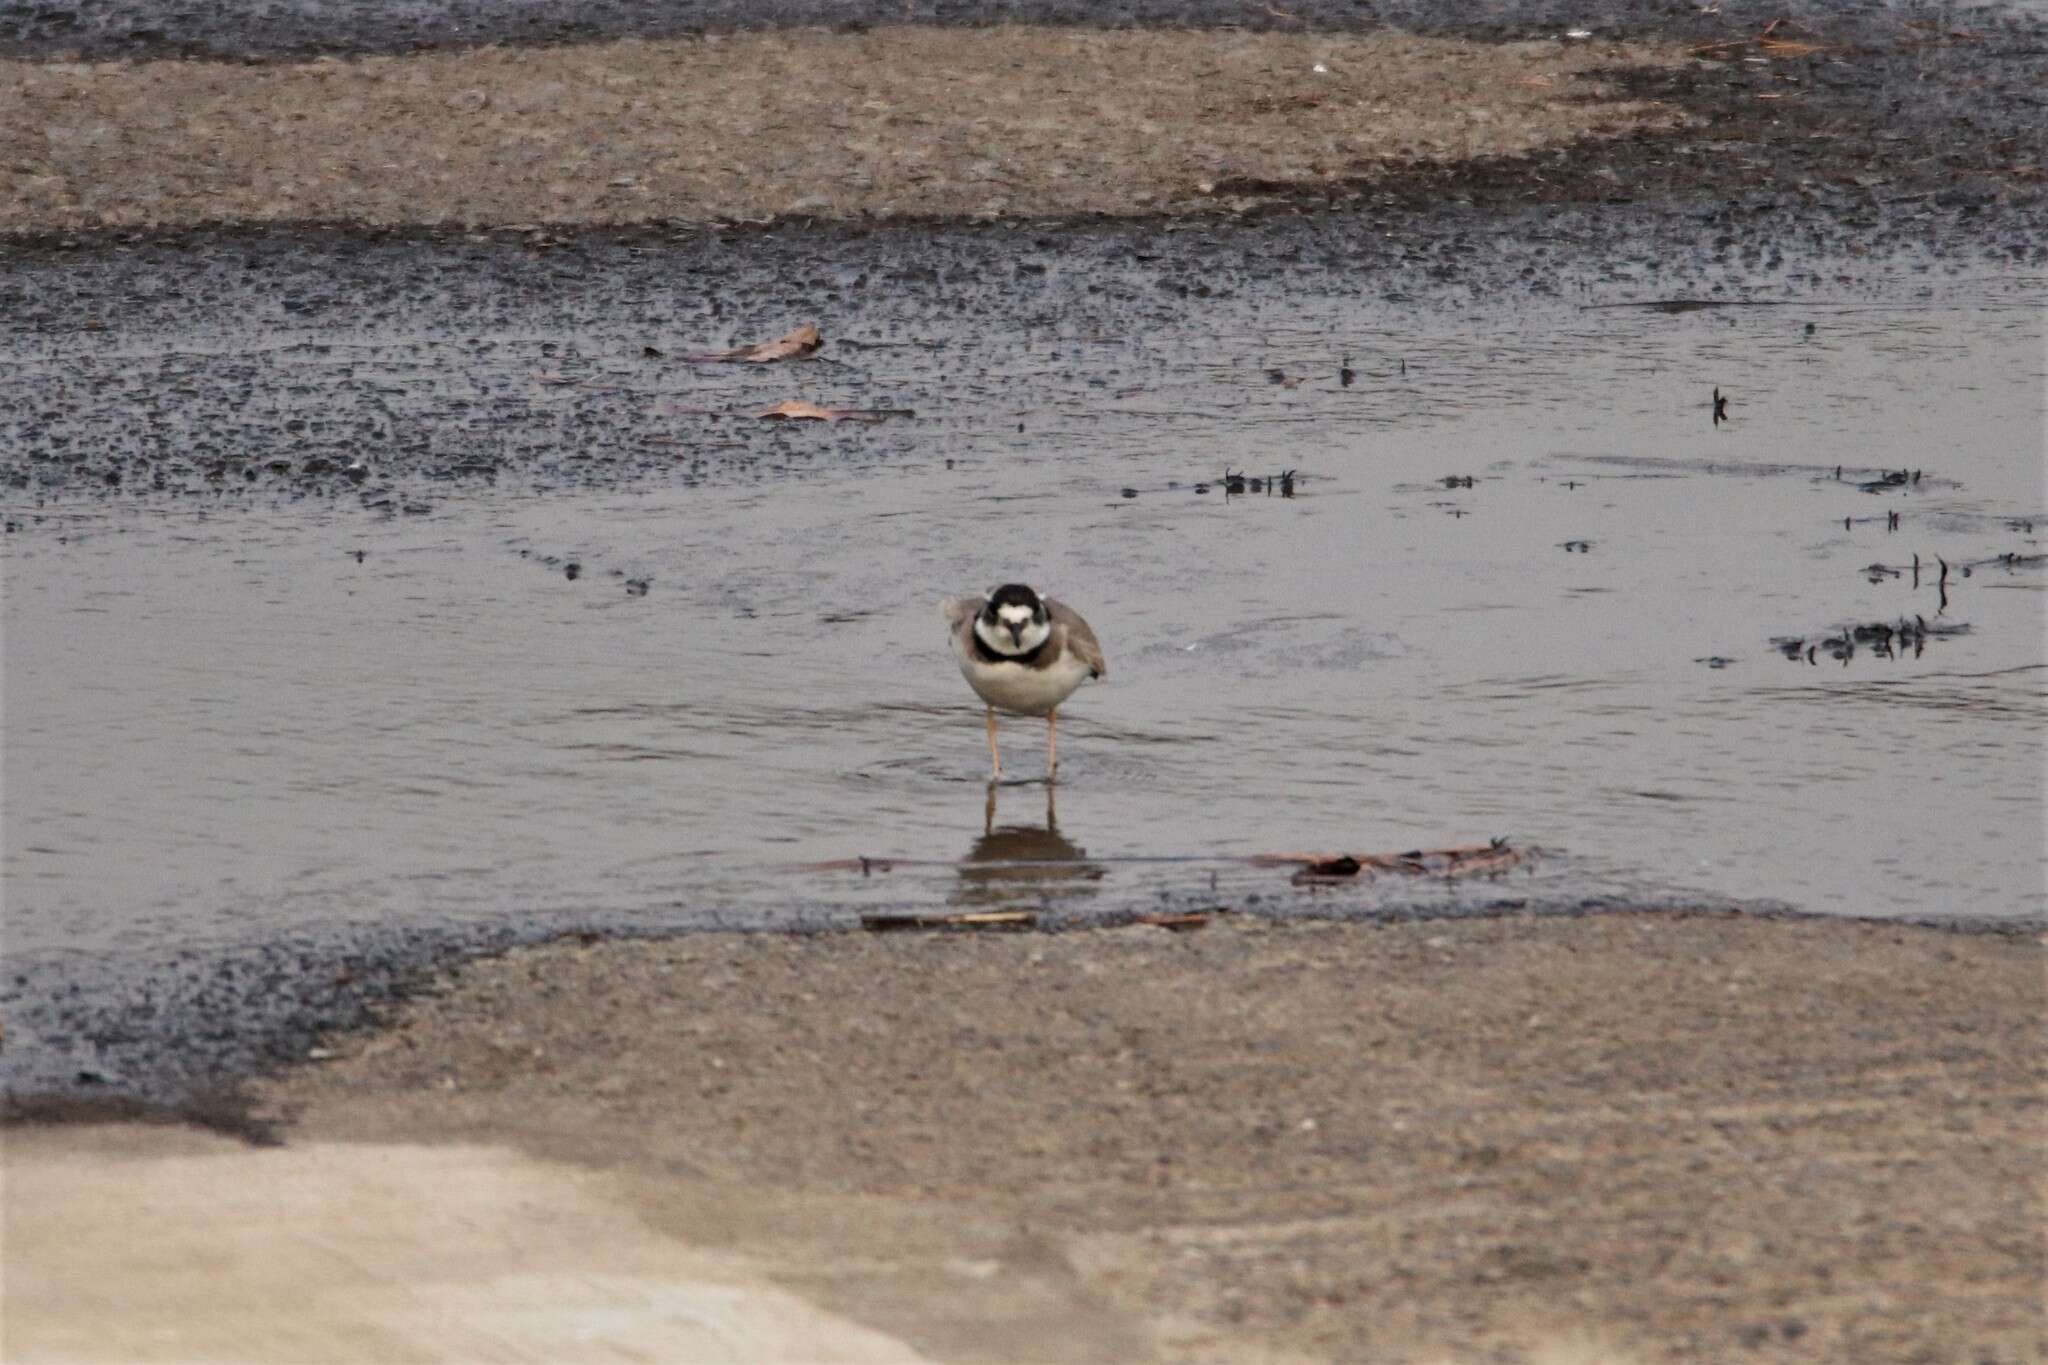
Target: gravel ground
point(1675, 1138)
point(274, 29)
point(918, 122)
point(1848, 113)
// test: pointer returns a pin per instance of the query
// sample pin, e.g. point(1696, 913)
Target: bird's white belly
point(1024, 691)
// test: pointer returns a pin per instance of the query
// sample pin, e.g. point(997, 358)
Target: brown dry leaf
point(801, 342)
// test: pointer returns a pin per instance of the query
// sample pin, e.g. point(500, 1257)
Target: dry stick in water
point(798, 410)
point(801, 342)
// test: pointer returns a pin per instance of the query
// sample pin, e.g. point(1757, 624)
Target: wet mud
point(328, 364)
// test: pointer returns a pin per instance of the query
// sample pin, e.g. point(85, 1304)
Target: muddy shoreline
point(1627, 1130)
point(182, 1041)
point(155, 1032)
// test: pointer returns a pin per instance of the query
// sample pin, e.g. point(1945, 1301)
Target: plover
point(1023, 654)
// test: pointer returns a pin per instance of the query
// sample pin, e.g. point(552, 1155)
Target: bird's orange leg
point(1052, 744)
point(995, 756)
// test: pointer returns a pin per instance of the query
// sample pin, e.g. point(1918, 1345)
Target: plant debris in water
point(1465, 861)
point(1883, 640)
point(1238, 483)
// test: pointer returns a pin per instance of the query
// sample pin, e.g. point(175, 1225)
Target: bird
point(1023, 654)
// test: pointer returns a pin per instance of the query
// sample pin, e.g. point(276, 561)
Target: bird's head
point(1012, 620)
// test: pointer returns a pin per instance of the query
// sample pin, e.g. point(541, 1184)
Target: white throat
point(998, 638)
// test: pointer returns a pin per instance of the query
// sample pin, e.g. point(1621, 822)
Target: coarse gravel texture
point(1846, 111)
point(309, 350)
point(260, 30)
point(1675, 1137)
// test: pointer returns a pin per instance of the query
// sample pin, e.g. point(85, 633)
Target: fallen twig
point(801, 342)
point(1179, 923)
point(798, 410)
point(1766, 40)
point(978, 919)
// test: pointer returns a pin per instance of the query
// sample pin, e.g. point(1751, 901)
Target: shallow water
point(229, 718)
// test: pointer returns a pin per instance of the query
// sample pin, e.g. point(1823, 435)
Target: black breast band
point(988, 656)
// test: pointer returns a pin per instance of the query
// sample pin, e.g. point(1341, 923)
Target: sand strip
point(136, 1244)
point(903, 121)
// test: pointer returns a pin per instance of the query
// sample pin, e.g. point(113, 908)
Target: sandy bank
point(895, 122)
point(1633, 1137)
point(131, 1244)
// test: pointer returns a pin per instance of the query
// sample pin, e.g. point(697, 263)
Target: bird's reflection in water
point(1023, 863)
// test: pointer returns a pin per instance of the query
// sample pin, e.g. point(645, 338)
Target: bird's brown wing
point(1080, 639)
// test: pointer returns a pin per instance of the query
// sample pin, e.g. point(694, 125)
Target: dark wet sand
point(1640, 1137)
